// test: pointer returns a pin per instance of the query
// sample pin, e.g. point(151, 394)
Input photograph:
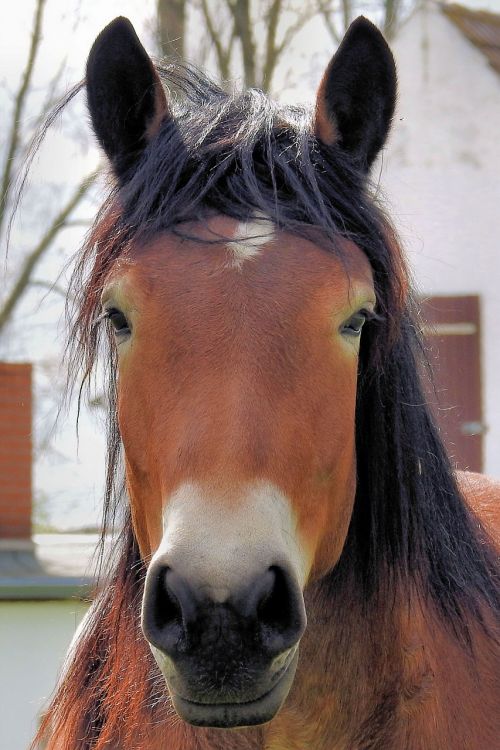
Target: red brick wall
point(15, 451)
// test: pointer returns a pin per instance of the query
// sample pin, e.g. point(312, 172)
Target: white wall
point(441, 173)
point(34, 637)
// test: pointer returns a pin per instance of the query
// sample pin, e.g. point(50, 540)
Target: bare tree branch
point(223, 55)
point(50, 287)
point(326, 10)
point(292, 30)
point(346, 12)
point(171, 26)
point(51, 95)
point(20, 100)
point(78, 222)
point(240, 10)
point(392, 13)
point(24, 276)
point(271, 56)
point(260, 57)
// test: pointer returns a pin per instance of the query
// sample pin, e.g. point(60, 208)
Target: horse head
point(237, 334)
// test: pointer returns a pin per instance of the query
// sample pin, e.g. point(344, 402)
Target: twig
point(30, 262)
point(20, 100)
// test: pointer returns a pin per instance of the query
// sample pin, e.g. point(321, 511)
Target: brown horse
point(280, 461)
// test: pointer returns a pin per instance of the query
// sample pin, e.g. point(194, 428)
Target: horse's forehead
point(226, 257)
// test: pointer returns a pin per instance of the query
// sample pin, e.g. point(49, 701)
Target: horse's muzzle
point(234, 713)
point(227, 663)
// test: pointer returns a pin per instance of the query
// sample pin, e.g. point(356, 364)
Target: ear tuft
point(357, 95)
point(125, 96)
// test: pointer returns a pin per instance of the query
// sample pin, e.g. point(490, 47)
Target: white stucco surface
point(34, 637)
point(441, 175)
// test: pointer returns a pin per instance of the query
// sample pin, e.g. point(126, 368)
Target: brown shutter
point(453, 336)
point(15, 451)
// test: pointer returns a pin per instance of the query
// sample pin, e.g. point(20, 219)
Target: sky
point(68, 476)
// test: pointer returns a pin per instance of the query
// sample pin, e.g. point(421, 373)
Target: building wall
point(34, 637)
point(15, 450)
point(441, 175)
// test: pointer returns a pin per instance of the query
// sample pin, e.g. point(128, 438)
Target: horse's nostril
point(267, 616)
point(280, 612)
point(166, 606)
point(182, 602)
point(163, 619)
point(273, 608)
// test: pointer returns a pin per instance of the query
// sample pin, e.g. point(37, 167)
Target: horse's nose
point(267, 615)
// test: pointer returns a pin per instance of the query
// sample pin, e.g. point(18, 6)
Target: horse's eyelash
point(371, 315)
point(103, 316)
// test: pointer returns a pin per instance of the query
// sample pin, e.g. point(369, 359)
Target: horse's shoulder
point(482, 494)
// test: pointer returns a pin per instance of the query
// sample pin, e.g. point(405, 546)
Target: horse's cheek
point(333, 486)
point(142, 479)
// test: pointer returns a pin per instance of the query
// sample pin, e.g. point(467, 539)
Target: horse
point(299, 566)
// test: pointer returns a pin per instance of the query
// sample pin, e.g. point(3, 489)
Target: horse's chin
point(233, 714)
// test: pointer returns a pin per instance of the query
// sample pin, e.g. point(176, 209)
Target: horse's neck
point(393, 680)
point(343, 667)
point(180, 736)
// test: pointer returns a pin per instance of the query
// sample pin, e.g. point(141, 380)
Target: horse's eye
point(353, 326)
point(118, 321)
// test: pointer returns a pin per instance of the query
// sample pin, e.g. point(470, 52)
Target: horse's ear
point(125, 96)
point(357, 95)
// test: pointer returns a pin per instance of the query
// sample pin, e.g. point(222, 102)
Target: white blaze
point(249, 237)
point(220, 542)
